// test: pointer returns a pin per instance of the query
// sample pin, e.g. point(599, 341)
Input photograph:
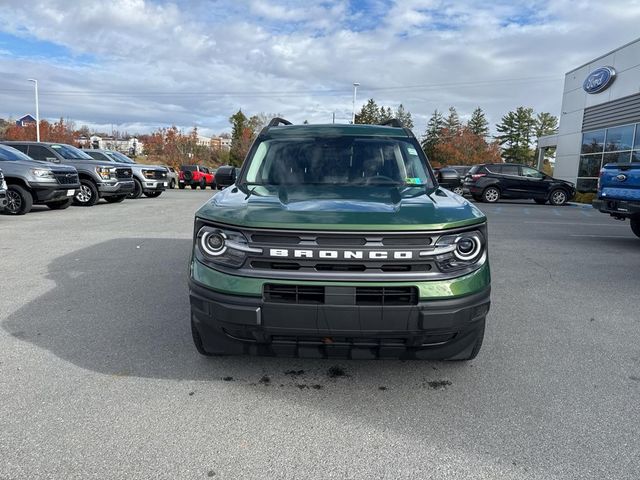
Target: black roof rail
point(275, 121)
point(392, 122)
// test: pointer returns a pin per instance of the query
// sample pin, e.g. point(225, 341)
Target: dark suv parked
point(491, 181)
point(30, 182)
point(450, 179)
point(110, 181)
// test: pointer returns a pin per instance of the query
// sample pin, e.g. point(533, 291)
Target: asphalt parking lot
point(99, 377)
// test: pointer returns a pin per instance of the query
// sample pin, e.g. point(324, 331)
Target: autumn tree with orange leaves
point(60, 132)
point(448, 142)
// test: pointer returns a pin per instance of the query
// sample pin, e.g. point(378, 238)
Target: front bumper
point(154, 185)
point(431, 329)
point(617, 208)
point(44, 193)
point(121, 187)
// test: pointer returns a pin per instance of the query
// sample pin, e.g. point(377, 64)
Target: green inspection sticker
point(413, 181)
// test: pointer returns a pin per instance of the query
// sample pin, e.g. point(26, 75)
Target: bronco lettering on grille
point(344, 254)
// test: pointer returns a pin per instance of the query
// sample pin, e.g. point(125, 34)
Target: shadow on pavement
point(122, 308)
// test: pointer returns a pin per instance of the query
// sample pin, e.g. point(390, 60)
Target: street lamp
point(353, 109)
point(35, 84)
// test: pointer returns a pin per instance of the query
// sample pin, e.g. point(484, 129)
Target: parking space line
point(601, 236)
point(578, 223)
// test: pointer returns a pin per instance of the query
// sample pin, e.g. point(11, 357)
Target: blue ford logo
point(599, 80)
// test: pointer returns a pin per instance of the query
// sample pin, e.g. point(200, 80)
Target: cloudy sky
point(141, 64)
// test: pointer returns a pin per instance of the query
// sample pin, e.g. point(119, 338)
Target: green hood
point(341, 208)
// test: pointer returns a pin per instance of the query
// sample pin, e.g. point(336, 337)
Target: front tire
point(203, 184)
point(458, 190)
point(181, 186)
point(172, 184)
point(87, 195)
point(61, 204)
point(137, 189)
point(635, 226)
point(152, 194)
point(19, 200)
point(194, 186)
point(491, 195)
point(558, 197)
point(115, 198)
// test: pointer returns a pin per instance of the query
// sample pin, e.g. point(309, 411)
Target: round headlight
point(213, 243)
point(467, 247)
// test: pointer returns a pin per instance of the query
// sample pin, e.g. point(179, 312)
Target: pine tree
point(239, 124)
point(385, 114)
point(478, 123)
point(404, 116)
point(545, 124)
point(432, 134)
point(369, 113)
point(452, 122)
point(516, 130)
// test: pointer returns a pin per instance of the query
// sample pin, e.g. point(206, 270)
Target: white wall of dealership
point(626, 63)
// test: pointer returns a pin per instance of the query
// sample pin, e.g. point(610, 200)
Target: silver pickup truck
point(150, 180)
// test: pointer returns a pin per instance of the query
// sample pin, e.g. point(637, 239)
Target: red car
point(196, 176)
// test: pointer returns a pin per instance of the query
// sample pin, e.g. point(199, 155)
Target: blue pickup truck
point(619, 192)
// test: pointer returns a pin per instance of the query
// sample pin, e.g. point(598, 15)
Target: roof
point(27, 116)
point(335, 129)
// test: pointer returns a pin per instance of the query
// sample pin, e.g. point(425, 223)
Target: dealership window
point(599, 147)
point(593, 142)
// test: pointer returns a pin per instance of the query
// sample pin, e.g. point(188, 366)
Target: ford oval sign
point(599, 80)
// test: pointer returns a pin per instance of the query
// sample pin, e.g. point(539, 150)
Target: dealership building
point(600, 119)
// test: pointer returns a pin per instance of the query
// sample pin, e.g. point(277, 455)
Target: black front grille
point(123, 173)
point(386, 296)
point(300, 294)
point(155, 174)
point(364, 296)
point(66, 178)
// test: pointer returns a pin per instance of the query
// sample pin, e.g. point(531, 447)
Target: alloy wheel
point(491, 195)
point(14, 201)
point(457, 190)
point(559, 197)
point(84, 194)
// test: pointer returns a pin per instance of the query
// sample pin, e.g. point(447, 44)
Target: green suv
point(336, 240)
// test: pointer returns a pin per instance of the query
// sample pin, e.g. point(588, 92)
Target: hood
point(20, 164)
point(341, 208)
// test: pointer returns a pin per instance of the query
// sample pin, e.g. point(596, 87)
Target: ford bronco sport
point(336, 240)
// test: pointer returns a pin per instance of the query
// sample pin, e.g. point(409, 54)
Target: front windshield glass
point(69, 152)
point(337, 161)
point(9, 154)
point(119, 157)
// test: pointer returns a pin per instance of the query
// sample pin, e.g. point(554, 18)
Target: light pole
point(353, 108)
point(35, 84)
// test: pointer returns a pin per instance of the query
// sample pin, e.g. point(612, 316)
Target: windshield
point(69, 152)
point(337, 161)
point(9, 154)
point(119, 157)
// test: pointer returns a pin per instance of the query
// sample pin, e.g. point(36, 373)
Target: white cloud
point(144, 64)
